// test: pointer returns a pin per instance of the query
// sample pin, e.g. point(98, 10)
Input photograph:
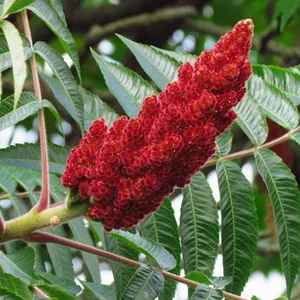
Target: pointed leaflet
point(26, 178)
point(283, 79)
point(296, 137)
point(251, 120)
point(58, 7)
point(128, 87)
point(180, 57)
point(273, 102)
point(10, 285)
point(239, 237)
point(161, 68)
point(154, 251)
point(286, 9)
point(122, 273)
point(28, 105)
point(102, 292)
point(82, 235)
point(199, 228)
point(64, 283)
point(203, 292)
point(28, 156)
point(16, 51)
point(45, 12)
point(13, 6)
point(224, 143)
point(145, 284)
point(5, 59)
point(161, 227)
point(9, 185)
point(285, 197)
point(66, 79)
point(20, 264)
point(95, 108)
point(56, 292)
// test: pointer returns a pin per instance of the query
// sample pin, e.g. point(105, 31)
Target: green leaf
point(180, 57)
point(20, 264)
point(45, 12)
point(161, 227)
point(28, 105)
point(5, 59)
point(66, 80)
point(224, 143)
point(152, 250)
point(198, 276)
point(58, 7)
point(122, 273)
point(129, 88)
point(273, 102)
point(251, 120)
point(162, 69)
point(283, 79)
point(217, 282)
point(28, 156)
point(61, 256)
point(285, 197)
point(16, 51)
point(82, 235)
point(199, 229)
point(13, 286)
point(102, 292)
point(296, 137)
point(26, 178)
point(13, 6)
point(56, 291)
point(203, 292)
point(286, 9)
point(145, 284)
point(238, 237)
point(64, 283)
point(95, 108)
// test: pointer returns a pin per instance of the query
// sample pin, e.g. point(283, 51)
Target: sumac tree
point(114, 186)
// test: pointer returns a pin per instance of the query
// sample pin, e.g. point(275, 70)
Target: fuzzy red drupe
point(130, 167)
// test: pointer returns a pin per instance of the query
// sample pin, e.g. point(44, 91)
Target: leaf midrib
point(281, 207)
point(233, 219)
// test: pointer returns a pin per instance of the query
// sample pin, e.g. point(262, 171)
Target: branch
point(271, 47)
point(250, 151)
point(97, 32)
point(43, 237)
point(23, 226)
point(45, 193)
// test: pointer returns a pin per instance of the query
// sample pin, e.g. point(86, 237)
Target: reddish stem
point(45, 193)
point(43, 237)
point(40, 293)
point(250, 151)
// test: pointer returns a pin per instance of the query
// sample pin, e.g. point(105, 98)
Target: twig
point(6, 196)
point(20, 228)
point(45, 193)
point(43, 237)
point(97, 33)
point(250, 151)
